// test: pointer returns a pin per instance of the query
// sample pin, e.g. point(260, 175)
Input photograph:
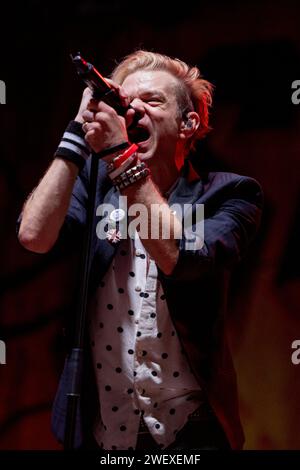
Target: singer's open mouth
point(138, 135)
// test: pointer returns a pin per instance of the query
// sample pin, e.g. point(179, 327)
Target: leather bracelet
point(113, 149)
point(131, 176)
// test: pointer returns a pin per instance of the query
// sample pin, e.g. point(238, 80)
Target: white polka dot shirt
point(139, 363)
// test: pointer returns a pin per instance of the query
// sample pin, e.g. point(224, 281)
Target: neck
point(164, 179)
point(168, 171)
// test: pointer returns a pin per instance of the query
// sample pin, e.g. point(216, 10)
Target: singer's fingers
point(98, 139)
point(92, 105)
point(91, 138)
point(89, 126)
point(89, 134)
point(88, 116)
point(86, 95)
point(103, 107)
point(87, 92)
point(121, 92)
point(130, 117)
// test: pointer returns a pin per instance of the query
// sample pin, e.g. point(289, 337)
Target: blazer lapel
point(188, 189)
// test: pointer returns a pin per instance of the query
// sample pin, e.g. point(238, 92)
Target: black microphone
point(102, 90)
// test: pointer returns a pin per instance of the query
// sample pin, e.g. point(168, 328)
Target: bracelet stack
point(121, 162)
point(120, 159)
point(74, 148)
point(132, 175)
point(122, 173)
point(125, 168)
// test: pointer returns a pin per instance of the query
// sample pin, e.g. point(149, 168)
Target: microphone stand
point(76, 359)
point(102, 90)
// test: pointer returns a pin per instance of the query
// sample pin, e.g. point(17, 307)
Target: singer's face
point(153, 95)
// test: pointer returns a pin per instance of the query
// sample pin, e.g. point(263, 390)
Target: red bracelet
point(130, 151)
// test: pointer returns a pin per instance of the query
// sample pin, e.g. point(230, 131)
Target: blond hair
point(195, 95)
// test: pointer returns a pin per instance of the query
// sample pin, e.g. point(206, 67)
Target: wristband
point(120, 159)
point(73, 147)
point(125, 165)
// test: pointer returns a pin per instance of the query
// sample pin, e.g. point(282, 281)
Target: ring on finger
point(84, 126)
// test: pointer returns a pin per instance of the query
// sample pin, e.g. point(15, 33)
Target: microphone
point(102, 90)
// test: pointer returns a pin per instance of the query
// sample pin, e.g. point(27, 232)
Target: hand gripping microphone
point(102, 90)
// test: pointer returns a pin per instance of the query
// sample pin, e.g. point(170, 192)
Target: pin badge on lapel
point(113, 235)
point(117, 215)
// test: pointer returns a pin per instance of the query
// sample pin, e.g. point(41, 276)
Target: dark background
point(250, 51)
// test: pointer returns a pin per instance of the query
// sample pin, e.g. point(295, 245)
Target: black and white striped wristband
point(73, 147)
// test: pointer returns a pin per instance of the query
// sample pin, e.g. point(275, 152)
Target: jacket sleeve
point(75, 220)
point(228, 230)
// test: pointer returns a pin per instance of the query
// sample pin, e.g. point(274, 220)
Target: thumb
point(129, 117)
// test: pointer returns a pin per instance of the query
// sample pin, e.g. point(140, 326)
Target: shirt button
point(138, 288)
point(136, 322)
point(138, 252)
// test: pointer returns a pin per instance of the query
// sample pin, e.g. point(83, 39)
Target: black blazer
point(195, 291)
